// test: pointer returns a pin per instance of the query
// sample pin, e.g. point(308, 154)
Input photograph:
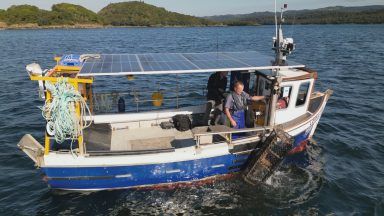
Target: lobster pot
point(273, 151)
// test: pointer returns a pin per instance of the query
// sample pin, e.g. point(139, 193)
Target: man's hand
point(228, 114)
point(233, 123)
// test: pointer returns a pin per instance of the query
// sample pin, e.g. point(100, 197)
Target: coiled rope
point(60, 111)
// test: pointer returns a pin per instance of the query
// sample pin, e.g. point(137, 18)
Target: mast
point(282, 46)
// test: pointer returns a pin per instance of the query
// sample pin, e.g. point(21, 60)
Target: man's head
point(223, 73)
point(238, 87)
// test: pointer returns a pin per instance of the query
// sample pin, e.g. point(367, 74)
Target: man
point(236, 104)
point(217, 83)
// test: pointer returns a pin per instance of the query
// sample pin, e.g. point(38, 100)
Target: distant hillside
point(330, 15)
point(117, 14)
point(142, 14)
point(136, 13)
point(61, 14)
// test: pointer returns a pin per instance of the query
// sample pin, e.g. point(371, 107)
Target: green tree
point(2, 15)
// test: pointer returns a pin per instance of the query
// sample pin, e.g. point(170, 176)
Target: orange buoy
point(130, 77)
point(157, 99)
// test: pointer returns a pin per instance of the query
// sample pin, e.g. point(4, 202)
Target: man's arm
point(257, 98)
point(228, 114)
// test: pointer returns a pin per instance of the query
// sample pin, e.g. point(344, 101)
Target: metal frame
point(75, 83)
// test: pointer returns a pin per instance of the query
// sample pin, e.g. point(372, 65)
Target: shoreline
point(36, 27)
point(33, 26)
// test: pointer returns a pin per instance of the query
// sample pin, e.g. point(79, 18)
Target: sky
point(204, 7)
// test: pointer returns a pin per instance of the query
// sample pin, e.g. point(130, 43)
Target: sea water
point(343, 171)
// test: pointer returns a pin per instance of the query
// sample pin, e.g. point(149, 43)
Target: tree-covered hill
point(118, 14)
point(22, 14)
point(330, 15)
point(70, 14)
point(142, 14)
point(61, 14)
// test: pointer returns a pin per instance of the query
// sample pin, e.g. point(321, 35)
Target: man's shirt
point(236, 102)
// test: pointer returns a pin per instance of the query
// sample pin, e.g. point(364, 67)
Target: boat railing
point(203, 135)
point(107, 101)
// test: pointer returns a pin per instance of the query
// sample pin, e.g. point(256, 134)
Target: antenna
point(276, 18)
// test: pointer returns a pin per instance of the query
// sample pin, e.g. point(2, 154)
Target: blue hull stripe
point(131, 176)
point(302, 137)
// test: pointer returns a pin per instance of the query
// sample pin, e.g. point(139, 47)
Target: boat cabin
point(117, 128)
point(295, 89)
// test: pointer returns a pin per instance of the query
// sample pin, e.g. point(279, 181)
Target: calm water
point(345, 171)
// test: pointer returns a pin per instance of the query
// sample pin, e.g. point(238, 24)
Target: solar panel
point(171, 63)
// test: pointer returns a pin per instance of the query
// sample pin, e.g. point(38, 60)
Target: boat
point(119, 148)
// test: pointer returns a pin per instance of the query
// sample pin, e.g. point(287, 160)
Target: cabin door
point(262, 87)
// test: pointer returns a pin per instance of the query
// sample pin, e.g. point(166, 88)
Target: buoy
point(157, 98)
point(130, 77)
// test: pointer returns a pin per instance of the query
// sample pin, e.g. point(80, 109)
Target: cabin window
point(284, 97)
point(302, 94)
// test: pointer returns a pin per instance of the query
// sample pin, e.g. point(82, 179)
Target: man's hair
point(238, 83)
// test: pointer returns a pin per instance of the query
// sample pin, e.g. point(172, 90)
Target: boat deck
point(101, 137)
point(108, 138)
